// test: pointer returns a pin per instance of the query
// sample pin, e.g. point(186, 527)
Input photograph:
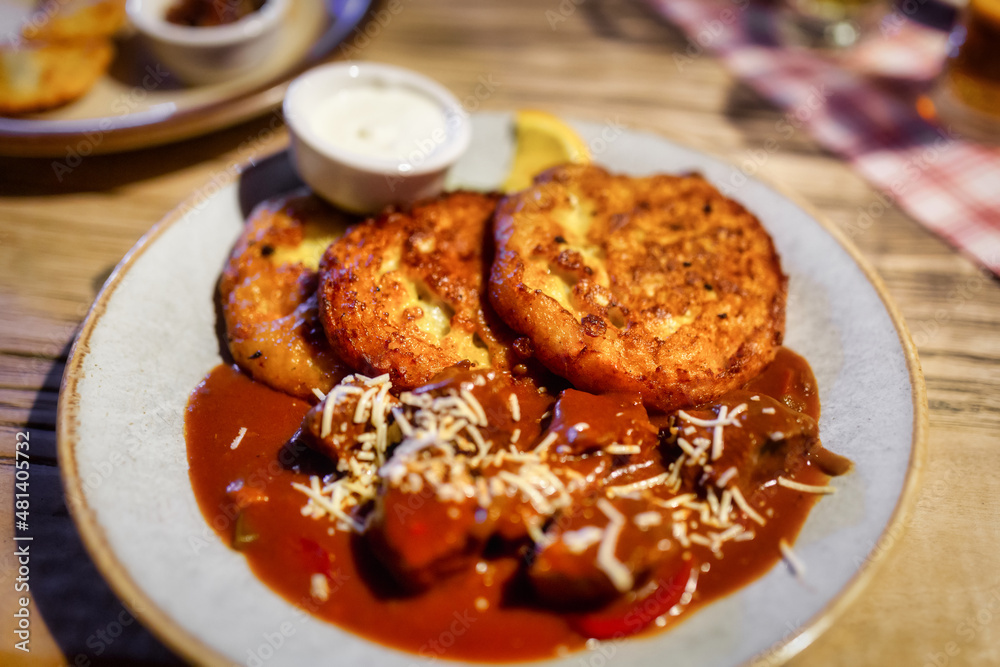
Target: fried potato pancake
point(75, 19)
point(35, 75)
point(658, 285)
point(269, 301)
point(403, 293)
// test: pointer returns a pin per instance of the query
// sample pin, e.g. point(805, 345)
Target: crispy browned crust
point(659, 285)
point(35, 76)
point(268, 292)
point(403, 293)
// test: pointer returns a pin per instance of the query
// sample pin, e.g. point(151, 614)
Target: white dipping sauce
point(382, 122)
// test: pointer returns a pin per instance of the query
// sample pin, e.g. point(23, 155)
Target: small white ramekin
point(361, 183)
point(210, 54)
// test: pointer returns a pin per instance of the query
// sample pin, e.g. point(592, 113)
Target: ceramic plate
point(138, 104)
point(152, 336)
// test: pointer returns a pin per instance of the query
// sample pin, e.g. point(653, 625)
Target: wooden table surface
point(936, 601)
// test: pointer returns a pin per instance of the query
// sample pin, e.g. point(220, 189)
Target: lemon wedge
point(543, 141)
point(990, 8)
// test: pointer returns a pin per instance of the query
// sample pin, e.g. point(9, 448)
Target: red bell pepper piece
point(638, 615)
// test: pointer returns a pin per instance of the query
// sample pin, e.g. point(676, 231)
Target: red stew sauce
point(210, 13)
point(481, 613)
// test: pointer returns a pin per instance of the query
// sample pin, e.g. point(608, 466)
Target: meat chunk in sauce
point(513, 495)
point(440, 501)
point(330, 427)
point(765, 439)
point(599, 549)
point(421, 540)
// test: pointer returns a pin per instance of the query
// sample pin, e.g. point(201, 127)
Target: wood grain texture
point(937, 601)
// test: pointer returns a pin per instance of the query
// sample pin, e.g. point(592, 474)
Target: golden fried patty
point(402, 294)
point(268, 292)
point(38, 75)
point(659, 285)
point(65, 20)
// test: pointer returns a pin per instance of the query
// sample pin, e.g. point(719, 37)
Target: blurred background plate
point(138, 104)
point(152, 336)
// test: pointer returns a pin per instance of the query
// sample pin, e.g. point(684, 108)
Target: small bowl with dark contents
point(208, 41)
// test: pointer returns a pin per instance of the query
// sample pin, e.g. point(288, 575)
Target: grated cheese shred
point(239, 438)
point(805, 488)
point(515, 407)
point(742, 503)
point(607, 559)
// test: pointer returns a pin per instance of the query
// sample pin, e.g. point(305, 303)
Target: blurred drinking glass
point(967, 96)
point(831, 24)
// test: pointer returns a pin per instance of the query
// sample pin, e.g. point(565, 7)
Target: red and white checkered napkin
point(864, 108)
